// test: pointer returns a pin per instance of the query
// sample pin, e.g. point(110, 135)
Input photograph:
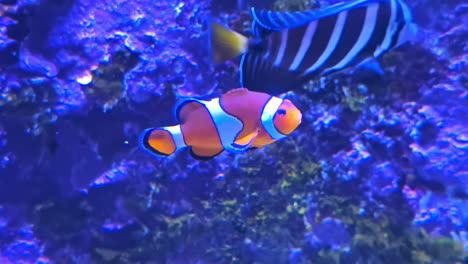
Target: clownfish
point(290, 49)
point(237, 121)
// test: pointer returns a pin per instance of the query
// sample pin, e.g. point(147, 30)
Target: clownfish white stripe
point(268, 115)
point(305, 44)
point(335, 37)
point(366, 33)
point(391, 29)
point(177, 136)
point(282, 49)
point(228, 126)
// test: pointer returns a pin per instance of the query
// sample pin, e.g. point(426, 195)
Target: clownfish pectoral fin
point(204, 154)
point(184, 107)
point(243, 144)
point(225, 44)
point(247, 140)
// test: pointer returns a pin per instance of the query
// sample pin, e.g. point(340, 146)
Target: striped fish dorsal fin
point(259, 74)
point(265, 21)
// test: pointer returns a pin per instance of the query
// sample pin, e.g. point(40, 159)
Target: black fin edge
point(203, 158)
point(147, 147)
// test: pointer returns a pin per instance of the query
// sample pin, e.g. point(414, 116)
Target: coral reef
point(376, 173)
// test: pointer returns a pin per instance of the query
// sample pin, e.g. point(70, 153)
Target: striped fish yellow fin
point(259, 74)
point(225, 43)
point(183, 109)
point(204, 154)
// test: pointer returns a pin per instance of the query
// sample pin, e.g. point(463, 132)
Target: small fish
point(290, 49)
point(236, 121)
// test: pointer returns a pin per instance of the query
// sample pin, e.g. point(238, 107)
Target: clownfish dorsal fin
point(237, 91)
point(183, 109)
point(243, 144)
point(204, 154)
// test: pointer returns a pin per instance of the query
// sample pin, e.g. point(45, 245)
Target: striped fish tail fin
point(163, 141)
point(409, 32)
point(225, 43)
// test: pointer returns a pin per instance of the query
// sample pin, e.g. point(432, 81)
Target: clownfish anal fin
point(184, 108)
point(204, 154)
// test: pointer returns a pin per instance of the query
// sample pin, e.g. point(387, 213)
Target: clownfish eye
point(281, 112)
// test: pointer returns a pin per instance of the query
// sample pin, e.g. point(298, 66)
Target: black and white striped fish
point(292, 48)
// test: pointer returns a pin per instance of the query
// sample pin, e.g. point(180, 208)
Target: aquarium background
point(376, 173)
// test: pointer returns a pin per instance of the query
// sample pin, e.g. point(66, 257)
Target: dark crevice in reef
point(428, 133)
point(8, 2)
point(32, 27)
point(20, 29)
point(45, 16)
point(9, 55)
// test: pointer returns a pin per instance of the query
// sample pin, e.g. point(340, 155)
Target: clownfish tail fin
point(225, 44)
point(162, 141)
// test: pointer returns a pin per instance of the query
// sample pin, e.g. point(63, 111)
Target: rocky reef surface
point(376, 173)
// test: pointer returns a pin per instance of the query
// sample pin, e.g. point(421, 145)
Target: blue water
point(377, 172)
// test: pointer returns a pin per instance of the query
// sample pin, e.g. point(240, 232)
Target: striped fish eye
point(281, 112)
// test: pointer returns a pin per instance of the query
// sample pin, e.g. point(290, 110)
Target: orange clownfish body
point(236, 121)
